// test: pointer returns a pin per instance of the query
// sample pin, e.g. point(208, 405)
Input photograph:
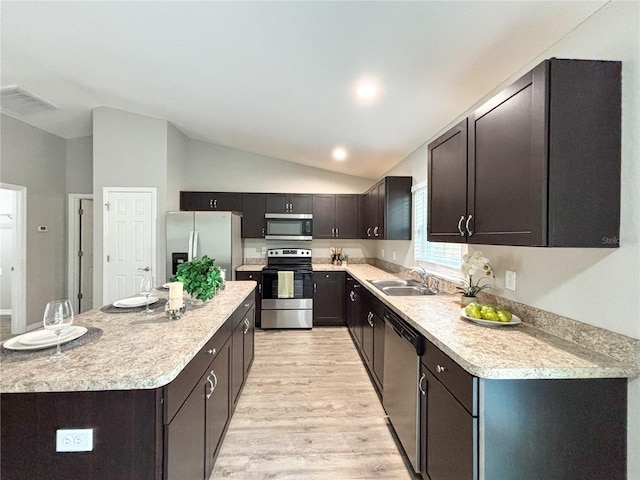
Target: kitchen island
point(140, 385)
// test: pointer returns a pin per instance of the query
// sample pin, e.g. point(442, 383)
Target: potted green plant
point(201, 277)
point(472, 264)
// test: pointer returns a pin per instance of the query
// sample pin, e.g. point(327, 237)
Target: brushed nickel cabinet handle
point(212, 351)
point(440, 369)
point(422, 391)
point(460, 225)
point(469, 231)
point(212, 387)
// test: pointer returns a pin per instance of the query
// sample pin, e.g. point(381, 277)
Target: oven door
point(272, 293)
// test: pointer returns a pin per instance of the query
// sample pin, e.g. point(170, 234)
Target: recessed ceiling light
point(367, 90)
point(339, 154)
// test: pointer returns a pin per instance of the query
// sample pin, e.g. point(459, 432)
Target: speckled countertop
point(134, 351)
point(495, 352)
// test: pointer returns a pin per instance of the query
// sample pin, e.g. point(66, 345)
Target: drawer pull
point(212, 351)
point(440, 369)
point(422, 391)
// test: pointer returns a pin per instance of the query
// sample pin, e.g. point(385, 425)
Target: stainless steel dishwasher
point(402, 349)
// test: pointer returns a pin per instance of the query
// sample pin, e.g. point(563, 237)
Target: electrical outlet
point(74, 440)
point(382, 253)
point(510, 280)
point(393, 255)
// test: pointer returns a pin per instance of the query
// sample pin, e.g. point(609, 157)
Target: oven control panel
point(289, 252)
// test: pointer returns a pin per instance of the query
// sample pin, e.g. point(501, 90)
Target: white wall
point(36, 159)
point(600, 287)
point(216, 168)
point(129, 150)
point(177, 173)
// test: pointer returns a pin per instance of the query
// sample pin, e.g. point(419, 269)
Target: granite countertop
point(133, 350)
point(494, 352)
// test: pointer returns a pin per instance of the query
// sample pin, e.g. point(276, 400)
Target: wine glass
point(146, 285)
point(58, 316)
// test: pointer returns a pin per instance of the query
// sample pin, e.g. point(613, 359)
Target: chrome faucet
point(427, 280)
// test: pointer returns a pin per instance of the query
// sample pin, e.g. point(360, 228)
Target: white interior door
point(85, 275)
point(129, 242)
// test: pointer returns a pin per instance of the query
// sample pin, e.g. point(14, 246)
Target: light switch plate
point(74, 440)
point(510, 280)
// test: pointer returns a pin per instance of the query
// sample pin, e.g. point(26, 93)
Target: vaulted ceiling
point(277, 78)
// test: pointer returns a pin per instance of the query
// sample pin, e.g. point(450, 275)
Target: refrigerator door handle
point(190, 257)
point(195, 243)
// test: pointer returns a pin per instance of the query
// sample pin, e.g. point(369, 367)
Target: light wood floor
point(308, 411)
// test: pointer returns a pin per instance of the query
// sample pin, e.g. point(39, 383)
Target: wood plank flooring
point(308, 411)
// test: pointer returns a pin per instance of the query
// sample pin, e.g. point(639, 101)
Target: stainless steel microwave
point(288, 226)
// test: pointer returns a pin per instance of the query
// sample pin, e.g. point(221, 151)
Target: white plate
point(514, 320)
point(134, 302)
point(15, 344)
point(45, 337)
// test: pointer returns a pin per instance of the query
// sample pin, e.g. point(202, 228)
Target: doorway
point(13, 245)
point(80, 253)
point(129, 242)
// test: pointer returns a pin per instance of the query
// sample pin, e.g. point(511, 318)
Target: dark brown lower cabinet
point(168, 433)
point(353, 308)
point(553, 429)
point(328, 298)
point(451, 431)
point(217, 408)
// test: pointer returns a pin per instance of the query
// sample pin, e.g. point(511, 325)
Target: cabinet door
point(237, 362)
point(353, 312)
point(185, 438)
point(367, 336)
point(369, 214)
point(300, 203)
point(218, 412)
point(256, 276)
point(221, 201)
point(346, 213)
point(380, 204)
point(378, 350)
point(329, 298)
point(324, 221)
point(451, 435)
point(507, 151)
point(447, 186)
point(249, 340)
point(253, 210)
point(277, 203)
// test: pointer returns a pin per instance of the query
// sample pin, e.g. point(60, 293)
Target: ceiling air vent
point(18, 101)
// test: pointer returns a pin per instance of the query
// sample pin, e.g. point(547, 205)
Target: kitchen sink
point(401, 288)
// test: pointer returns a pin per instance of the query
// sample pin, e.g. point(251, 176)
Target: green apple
point(489, 315)
point(504, 315)
point(472, 311)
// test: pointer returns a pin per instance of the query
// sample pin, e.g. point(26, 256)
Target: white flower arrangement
point(472, 264)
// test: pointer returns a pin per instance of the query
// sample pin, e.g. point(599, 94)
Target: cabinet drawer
point(241, 312)
point(176, 392)
point(458, 381)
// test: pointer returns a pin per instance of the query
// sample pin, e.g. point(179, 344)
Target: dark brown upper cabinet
point(253, 210)
point(289, 203)
point(387, 209)
point(335, 216)
point(215, 201)
point(543, 162)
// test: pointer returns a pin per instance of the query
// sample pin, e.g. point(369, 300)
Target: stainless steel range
point(287, 289)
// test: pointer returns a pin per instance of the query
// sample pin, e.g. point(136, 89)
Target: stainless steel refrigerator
point(195, 234)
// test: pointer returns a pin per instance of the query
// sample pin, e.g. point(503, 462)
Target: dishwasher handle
point(405, 331)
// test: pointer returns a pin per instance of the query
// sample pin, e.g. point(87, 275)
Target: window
point(443, 254)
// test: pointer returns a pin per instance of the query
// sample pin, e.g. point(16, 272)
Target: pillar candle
point(175, 295)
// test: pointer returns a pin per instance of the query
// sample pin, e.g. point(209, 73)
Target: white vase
point(467, 300)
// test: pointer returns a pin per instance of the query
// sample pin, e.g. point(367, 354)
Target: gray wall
point(129, 150)
point(36, 159)
point(79, 152)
